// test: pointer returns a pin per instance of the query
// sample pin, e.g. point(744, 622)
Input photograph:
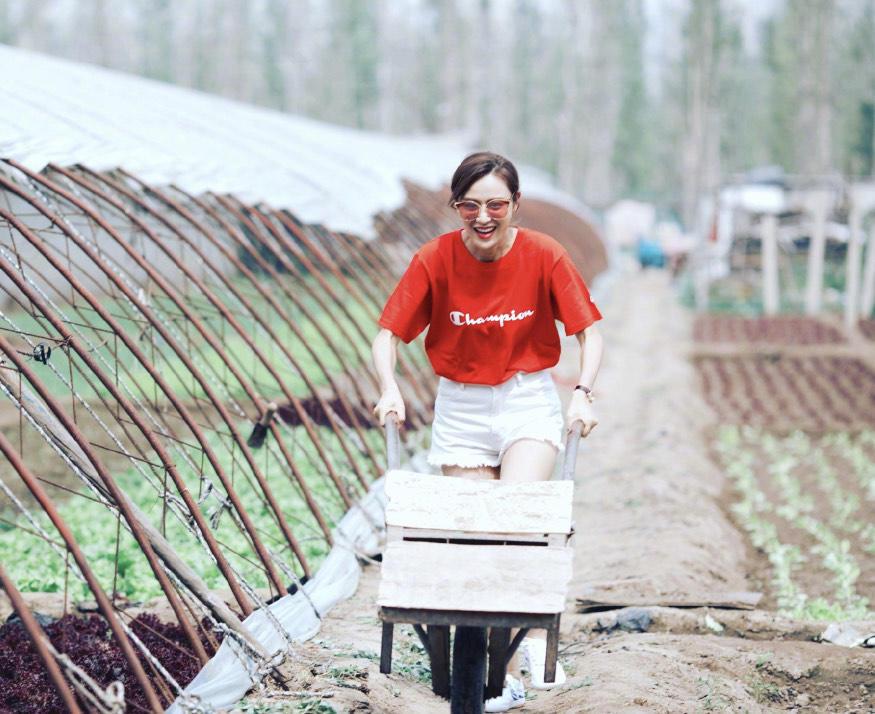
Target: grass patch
point(762, 690)
point(36, 568)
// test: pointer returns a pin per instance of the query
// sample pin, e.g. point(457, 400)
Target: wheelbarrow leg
point(552, 651)
point(386, 648)
point(499, 640)
point(439, 649)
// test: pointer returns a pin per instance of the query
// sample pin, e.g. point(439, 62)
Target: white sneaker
point(533, 654)
point(512, 696)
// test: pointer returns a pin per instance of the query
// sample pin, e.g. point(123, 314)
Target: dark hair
point(482, 163)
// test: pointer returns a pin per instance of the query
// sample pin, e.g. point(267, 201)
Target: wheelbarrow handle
point(572, 441)
point(393, 441)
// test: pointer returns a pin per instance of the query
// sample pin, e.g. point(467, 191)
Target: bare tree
point(700, 150)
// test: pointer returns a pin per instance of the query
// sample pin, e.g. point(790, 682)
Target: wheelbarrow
point(485, 557)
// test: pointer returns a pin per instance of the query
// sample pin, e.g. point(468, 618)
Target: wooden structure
point(475, 554)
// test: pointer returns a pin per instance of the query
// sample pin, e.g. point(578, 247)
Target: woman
point(490, 294)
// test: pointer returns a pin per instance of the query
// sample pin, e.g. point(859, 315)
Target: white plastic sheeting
point(63, 112)
point(54, 110)
point(230, 673)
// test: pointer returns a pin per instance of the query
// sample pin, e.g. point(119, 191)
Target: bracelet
point(587, 392)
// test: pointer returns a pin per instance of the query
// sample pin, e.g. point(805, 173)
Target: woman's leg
point(477, 473)
point(528, 460)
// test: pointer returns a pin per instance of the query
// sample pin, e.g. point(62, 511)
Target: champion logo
point(460, 319)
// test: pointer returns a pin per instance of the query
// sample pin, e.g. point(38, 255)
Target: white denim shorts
point(474, 424)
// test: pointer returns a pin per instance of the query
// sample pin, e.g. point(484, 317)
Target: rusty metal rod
point(376, 290)
point(240, 214)
point(103, 603)
point(417, 377)
point(38, 639)
point(241, 243)
point(115, 494)
point(255, 313)
point(163, 549)
point(285, 242)
point(264, 556)
point(229, 318)
point(293, 327)
point(83, 354)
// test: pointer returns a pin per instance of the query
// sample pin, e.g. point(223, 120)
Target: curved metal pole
point(103, 603)
point(38, 639)
point(289, 321)
point(286, 243)
point(163, 549)
point(417, 377)
point(264, 556)
point(368, 260)
point(255, 313)
point(242, 243)
point(37, 242)
point(116, 495)
point(207, 335)
point(240, 213)
point(378, 287)
point(349, 263)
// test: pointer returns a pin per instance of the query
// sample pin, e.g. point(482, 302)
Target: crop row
point(785, 393)
point(779, 330)
point(806, 502)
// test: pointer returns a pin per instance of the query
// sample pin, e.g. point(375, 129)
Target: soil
point(654, 531)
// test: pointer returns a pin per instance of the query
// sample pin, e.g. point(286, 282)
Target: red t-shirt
point(490, 320)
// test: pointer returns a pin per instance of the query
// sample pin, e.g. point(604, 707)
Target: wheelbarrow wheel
point(469, 670)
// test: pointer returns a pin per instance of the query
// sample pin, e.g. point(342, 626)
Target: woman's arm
point(385, 352)
point(580, 408)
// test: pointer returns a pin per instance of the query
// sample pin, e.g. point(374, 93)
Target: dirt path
point(650, 531)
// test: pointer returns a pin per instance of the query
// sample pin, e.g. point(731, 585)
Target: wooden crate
point(477, 546)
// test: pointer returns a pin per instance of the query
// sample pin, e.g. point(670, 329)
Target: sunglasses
point(469, 209)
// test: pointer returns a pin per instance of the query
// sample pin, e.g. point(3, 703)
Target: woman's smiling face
point(488, 236)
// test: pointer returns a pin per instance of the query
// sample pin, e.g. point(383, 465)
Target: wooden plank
point(467, 619)
point(726, 600)
point(769, 242)
point(440, 502)
point(553, 540)
point(488, 578)
point(819, 204)
point(552, 652)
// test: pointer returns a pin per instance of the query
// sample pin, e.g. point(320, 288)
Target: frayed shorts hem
point(474, 461)
point(470, 462)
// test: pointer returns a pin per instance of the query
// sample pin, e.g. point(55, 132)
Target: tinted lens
point(468, 209)
point(497, 209)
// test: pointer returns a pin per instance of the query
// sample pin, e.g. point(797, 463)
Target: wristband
point(586, 391)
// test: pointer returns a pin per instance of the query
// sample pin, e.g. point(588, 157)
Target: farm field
point(681, 513)
point(782, 330)
point(784, 393)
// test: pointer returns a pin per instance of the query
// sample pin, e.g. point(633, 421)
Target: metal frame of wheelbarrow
point(433, 626)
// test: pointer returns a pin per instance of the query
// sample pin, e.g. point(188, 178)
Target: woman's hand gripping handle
point(385, 354)
point(580, 410)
